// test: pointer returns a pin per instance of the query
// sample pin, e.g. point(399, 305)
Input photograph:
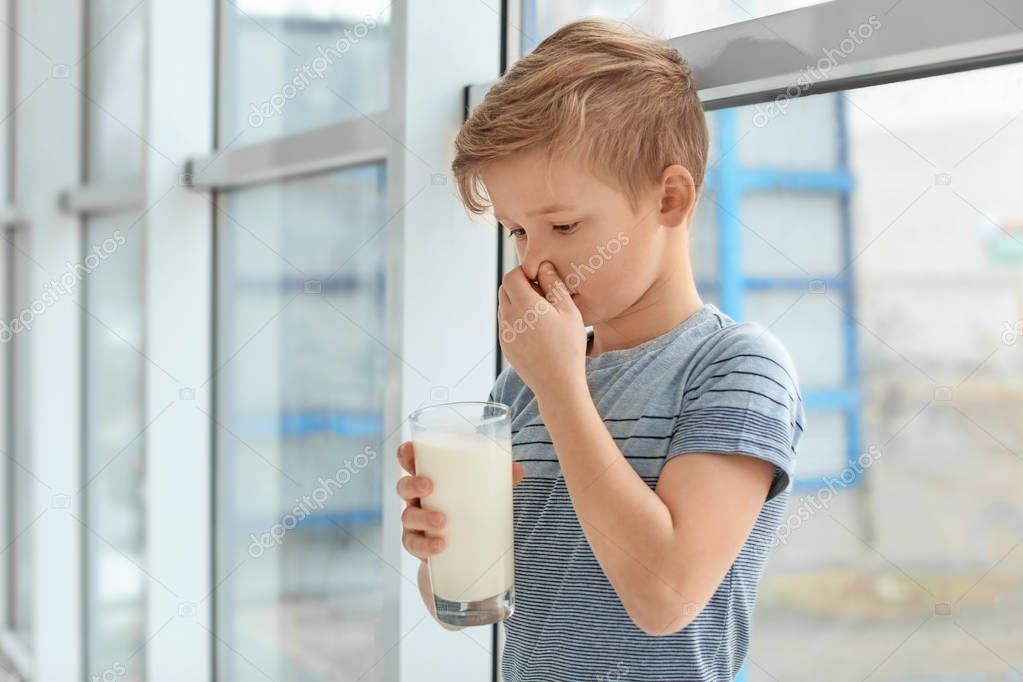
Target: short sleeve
point(742, 396)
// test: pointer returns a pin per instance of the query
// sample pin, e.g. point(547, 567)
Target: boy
point(652, 456)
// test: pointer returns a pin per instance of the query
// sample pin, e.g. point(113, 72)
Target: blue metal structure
point(730, 181)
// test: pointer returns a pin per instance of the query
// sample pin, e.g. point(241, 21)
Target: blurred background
point(233, 259)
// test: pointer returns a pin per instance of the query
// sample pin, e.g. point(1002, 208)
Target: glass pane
point(703, 239)
point(661, 18)
point(811, 327)
point(823, 449)
point(114, 107)
point(791, 234)
point(713, 133)
point(19, 319)
point(915, 571)
point(711, 296)
point(292, 66)
point(114, 473)
point(300, 402)
point(774, 135)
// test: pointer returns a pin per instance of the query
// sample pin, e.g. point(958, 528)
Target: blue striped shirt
point(708, 385)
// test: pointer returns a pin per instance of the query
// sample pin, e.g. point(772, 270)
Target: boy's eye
point(565, 228)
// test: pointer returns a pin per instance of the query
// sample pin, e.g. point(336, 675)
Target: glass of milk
point(465, 450)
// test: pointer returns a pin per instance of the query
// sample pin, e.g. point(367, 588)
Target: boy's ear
point(678, 195)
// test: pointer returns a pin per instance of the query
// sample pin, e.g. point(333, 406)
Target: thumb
point(554, 289)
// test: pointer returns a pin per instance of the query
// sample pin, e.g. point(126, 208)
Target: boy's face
point(607, 255)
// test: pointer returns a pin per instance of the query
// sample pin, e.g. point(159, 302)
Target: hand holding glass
point(463, 477)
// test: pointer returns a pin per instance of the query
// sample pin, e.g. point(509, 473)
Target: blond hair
point(622, 100)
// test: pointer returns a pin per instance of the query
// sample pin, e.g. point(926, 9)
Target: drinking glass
point(464, 448)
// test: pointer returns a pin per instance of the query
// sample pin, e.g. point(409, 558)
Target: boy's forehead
point(522, 183)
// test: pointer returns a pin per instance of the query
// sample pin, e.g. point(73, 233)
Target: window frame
point(89, 199)
point(12, 647)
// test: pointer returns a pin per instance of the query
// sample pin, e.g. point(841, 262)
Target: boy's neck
point(664, 306)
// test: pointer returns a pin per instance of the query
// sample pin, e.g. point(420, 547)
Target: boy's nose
point(531, 269)
point(532, 274)
point(531, 256)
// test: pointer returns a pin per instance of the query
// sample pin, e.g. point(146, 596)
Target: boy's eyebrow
point(552, 208)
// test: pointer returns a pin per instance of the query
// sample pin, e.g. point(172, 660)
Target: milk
point(472, 486)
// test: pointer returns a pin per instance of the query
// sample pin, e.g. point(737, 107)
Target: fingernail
point(547, 268)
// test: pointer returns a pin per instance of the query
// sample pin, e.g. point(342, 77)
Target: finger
point(406, 457)
point(413, 487)
point(515, 284)
point(553, 288)
point(518, 473)
point(420, 546)
point(412, 542)
point(417, 518)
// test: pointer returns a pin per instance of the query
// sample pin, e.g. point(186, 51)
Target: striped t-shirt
point(708, 385)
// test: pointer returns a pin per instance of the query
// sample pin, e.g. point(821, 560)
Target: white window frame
point(180, 90)
point(86, 200)
point(47, 158)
